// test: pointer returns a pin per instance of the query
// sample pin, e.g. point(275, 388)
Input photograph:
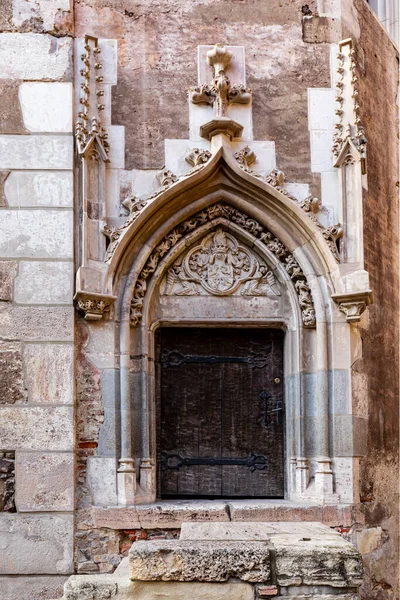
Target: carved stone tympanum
point(220, 266)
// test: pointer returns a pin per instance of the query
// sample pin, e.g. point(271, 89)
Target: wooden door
point(220, 412)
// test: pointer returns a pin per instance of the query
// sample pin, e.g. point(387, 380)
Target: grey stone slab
point(339, 392)
point(107, 436)
point(33, 544)
point(252, 531)
point(32, 587)
point(41, 282)
point(36, 323)
point(37, 428)
point(49, 373)
point(315, 389)
point(44, 481)
point(36, 152)
point(39, 188)
point(36, 234)
point(203, 561)
point(102, 480)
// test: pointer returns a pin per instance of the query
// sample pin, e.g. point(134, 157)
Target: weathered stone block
point(102, 480)
point(41, 587)
point(44, 14)
point(49, 58)
point(36, 234)
point(7, 482)
point(203, 561)
point(36, 151)
point(37, 428)
point(40, 188)
point(36, 324)
point(49, 373)
point(44, 283)
point(8, 271)
point(46, 107)
point(36, 544)
point(10, 113)
point(44, 482)
point(12, 388)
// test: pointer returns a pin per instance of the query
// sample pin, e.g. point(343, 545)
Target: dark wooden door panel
point(220, 427)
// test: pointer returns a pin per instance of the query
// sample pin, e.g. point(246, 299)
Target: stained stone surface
point(12, 388)
point(203, 561)
point(8, 271)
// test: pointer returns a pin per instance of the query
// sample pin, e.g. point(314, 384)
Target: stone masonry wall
point(36, 289)
point(376, 375)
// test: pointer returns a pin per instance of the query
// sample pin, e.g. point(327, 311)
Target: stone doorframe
point(320, 438)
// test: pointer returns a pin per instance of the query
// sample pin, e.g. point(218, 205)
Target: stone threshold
point(167, 514)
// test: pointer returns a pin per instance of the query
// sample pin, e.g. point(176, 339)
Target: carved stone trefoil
point(230, 214)
point(353, 304)
point(93, 306)
point(220, 94)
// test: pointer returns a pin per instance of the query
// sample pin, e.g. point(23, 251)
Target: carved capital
point(93, 305)
point(353, 304)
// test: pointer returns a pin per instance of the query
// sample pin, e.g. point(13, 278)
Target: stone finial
point(220, 94)
point(220, 58)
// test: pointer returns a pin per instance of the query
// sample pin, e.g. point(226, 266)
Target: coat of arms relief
point(220, 266)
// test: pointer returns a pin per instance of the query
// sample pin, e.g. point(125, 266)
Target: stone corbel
point(93, 306)
point(353, 304)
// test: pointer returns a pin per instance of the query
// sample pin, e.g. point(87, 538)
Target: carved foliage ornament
point(220, 93)
point(220, 266)
point(197, 158)
point(250, 225)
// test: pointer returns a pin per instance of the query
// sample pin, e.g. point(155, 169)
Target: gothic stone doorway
point(220, 413)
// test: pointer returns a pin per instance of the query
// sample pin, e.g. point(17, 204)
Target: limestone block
point(253, 532)
point(37, 428)
point(102, 480)
point(36, 544)
point(12, 388)
point(44, 283)
point(10, 113)
point(369, 540)
point(316, 561)
point(34, 56)
point(102, 587)
point(46, 107)
point(116, 138)
point(171, 560)
point(36, 151)
point(40, 188)
point(321, 153)
point(41, 587)
point(44, 481)
point(321, 108)
point(163, 515)
point(36, 323)
point(36, 234)
point(43, 10)
point(8, 270)
point(49, 373)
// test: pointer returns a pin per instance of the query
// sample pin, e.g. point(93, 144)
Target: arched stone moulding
point(311, 358)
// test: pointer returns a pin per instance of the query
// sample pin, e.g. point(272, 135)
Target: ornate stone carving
point(311, 206)
point(166, 178)
point(198, 157)
point(220, 266)
point(225, 211)
point(94, 306)
point(349, 132)
point(353, 304)
point(246, 158)
point(220, 94)
point(88, 127)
